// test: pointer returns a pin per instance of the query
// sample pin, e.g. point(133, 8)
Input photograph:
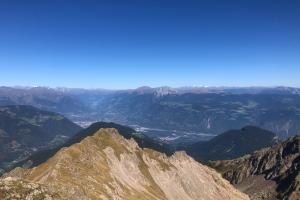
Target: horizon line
point(147, 86)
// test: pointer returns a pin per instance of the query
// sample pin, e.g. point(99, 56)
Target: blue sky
point(127, 44)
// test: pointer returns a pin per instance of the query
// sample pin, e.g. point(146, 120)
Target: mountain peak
point(158, 91)
point(110, 137)
point(108, 166)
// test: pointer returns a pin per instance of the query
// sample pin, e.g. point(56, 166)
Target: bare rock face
point(276, 169)
point(107, 166)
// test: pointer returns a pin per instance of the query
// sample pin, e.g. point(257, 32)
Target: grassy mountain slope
point(25, 129)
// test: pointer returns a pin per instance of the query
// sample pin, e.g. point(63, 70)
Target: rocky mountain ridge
point(142, 140)
point(108, 166)
point(277, 168)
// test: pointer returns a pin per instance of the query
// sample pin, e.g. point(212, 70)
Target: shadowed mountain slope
point(25, 129)
point(270, 173)
point(232, 144)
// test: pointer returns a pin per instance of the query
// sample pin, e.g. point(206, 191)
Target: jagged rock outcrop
point(276, 168)
point(108, 166)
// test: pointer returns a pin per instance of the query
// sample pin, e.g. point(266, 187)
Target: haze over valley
point(172, 115)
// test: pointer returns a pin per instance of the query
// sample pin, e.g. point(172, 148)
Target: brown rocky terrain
point(108, 166)
point(270, 173)
point(16, 189)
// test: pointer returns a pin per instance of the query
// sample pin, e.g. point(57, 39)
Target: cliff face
point(278, 167)
point(107, 166)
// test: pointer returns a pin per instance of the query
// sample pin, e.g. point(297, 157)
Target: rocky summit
point(270, 173)
point(108, 166)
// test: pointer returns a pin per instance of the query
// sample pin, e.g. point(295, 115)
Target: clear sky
point(127, 44)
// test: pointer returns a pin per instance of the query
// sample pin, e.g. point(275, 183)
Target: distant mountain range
point(25, 129)
point(208, 110)
point(270, 173)
point(40, 97)
point(232, 144)
point(209, 113)
point(165, 90)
